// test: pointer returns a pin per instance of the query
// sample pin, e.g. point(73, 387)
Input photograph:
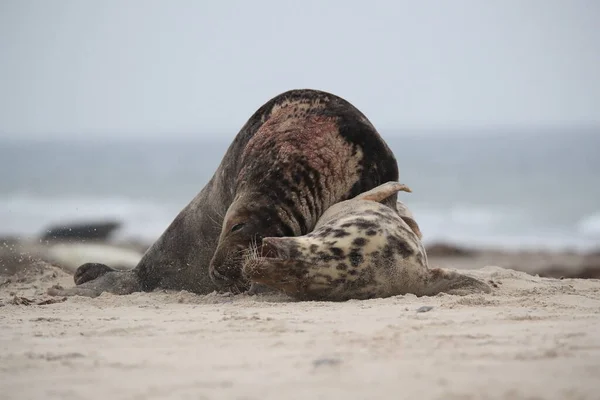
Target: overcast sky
point(85, 68)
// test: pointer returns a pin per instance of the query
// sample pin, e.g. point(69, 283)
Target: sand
point(532, 338)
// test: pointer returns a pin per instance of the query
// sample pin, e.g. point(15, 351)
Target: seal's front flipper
point(450, 282)
point(90, 271)
point(115, 282)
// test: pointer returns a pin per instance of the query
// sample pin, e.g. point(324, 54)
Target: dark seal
point(300, 153)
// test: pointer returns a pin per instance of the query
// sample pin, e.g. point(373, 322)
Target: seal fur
point(298, 154)
point(360, 249)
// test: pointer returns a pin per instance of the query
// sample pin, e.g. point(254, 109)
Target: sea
point(528, 189)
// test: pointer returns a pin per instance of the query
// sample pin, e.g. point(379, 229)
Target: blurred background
point(123, 109)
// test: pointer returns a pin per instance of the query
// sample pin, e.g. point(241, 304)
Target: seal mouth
point(228, 285)
point(218, 278)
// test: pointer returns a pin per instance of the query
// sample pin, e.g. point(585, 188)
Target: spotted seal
point(298, 154)
point(360, 248)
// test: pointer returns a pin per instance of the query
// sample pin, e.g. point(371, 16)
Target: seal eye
point(237, 227)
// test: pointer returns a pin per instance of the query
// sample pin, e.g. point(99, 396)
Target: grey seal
point(360, 249)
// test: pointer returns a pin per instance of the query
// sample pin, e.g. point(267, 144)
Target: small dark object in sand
point(326, 361)
point(24, 301)
point(424, 309)
point(52, 301)
point(21, 301)
point(494, 284)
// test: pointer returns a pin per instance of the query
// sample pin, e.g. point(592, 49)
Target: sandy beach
point(532, 338)
point(209, 135)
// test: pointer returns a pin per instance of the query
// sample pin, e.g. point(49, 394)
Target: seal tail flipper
point(116, 282)
point(450, 282)
point(382, 192)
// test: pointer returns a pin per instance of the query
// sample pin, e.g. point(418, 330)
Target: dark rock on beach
point(82, 231)
point(448, 250)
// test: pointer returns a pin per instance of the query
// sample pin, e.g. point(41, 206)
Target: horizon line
point(218, 134)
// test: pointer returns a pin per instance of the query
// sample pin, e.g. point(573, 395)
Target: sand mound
point(531, 338)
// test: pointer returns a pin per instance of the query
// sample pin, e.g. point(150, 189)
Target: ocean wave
point(503, 227)
point(145, 219)
point(468, 218)
point(26, 215)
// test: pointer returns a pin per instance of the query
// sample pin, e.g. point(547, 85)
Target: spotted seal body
point(300, 153)
point(361, 248)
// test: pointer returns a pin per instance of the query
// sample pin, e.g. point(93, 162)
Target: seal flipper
point(115, 282)
point(90, 271)
point(450, 282)
point(383, 192)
